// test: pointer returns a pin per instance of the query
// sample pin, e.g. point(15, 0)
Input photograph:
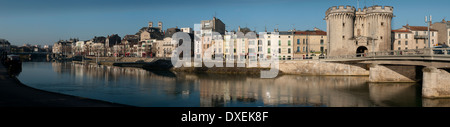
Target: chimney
point(150, 24)
point(317, 29)
point(160, 25)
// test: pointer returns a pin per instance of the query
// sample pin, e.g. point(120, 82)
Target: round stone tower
point(379, 20)
point(340, 29)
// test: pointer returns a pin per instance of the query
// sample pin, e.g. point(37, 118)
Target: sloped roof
point(419, 28)
point(317, 32)
point(401, 31)
point(284, 33)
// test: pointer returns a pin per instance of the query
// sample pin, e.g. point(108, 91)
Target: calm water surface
point(144, 88)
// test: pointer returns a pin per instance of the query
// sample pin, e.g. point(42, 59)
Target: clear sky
point(46, 21)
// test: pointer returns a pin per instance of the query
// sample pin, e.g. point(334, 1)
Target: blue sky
point(46, 21)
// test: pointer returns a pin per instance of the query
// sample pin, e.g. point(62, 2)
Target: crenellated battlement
point(361, 11)
point(366, 10)
point(375, 9)
point(341, 9)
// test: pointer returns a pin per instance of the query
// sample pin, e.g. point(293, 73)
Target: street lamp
point(307, 45)
point(374, 37)
point(115, 52)
point(428, 24)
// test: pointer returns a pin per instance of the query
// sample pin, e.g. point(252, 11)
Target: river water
point(139, 87)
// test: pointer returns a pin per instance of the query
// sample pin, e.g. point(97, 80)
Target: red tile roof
point(401, 31)
point(318, 32)
point(419, 28)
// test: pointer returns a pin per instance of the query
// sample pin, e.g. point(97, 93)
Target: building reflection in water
point(219, 90)
point(285, 90)
point(111, 75)
point(398, 94)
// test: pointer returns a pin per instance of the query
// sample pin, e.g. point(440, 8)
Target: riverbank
point(220, 70)
point(109, 61)
point(294, 67)
point(321, 68)
point(15, 94)
point(297, 67)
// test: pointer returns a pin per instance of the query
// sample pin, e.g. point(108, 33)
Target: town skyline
point(45, 24)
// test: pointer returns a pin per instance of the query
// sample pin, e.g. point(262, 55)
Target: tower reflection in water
point(219, 90)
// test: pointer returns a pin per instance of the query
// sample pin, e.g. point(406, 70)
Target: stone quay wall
point(317, 67)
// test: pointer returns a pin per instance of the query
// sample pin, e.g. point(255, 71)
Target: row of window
point(279, 50)
point(268, 50)
point(417, 42)
point(298, 49)
point(284, 58)
point(279, 36)
point(306, 48)
point(251, 50)
point(417, 33)
point(279, 43)
point(406, 48)
point(289, 36)
point(305, 41)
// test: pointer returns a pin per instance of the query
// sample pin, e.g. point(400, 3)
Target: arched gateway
point(361, 49)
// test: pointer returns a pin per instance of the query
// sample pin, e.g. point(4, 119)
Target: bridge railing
point(394, 53)
point(441, 51)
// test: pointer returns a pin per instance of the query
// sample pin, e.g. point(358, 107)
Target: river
point(139, 87)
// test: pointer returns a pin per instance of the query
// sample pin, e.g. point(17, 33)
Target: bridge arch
point(362, 49)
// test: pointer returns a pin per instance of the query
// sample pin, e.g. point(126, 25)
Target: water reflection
point(166, 89)
point(14, 70)
point(436, 102)
point(398, 94)
point(286, 90)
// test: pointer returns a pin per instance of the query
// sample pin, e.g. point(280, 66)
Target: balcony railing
point(420, 36)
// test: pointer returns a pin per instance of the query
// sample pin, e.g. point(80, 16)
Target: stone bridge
point(429, 66)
